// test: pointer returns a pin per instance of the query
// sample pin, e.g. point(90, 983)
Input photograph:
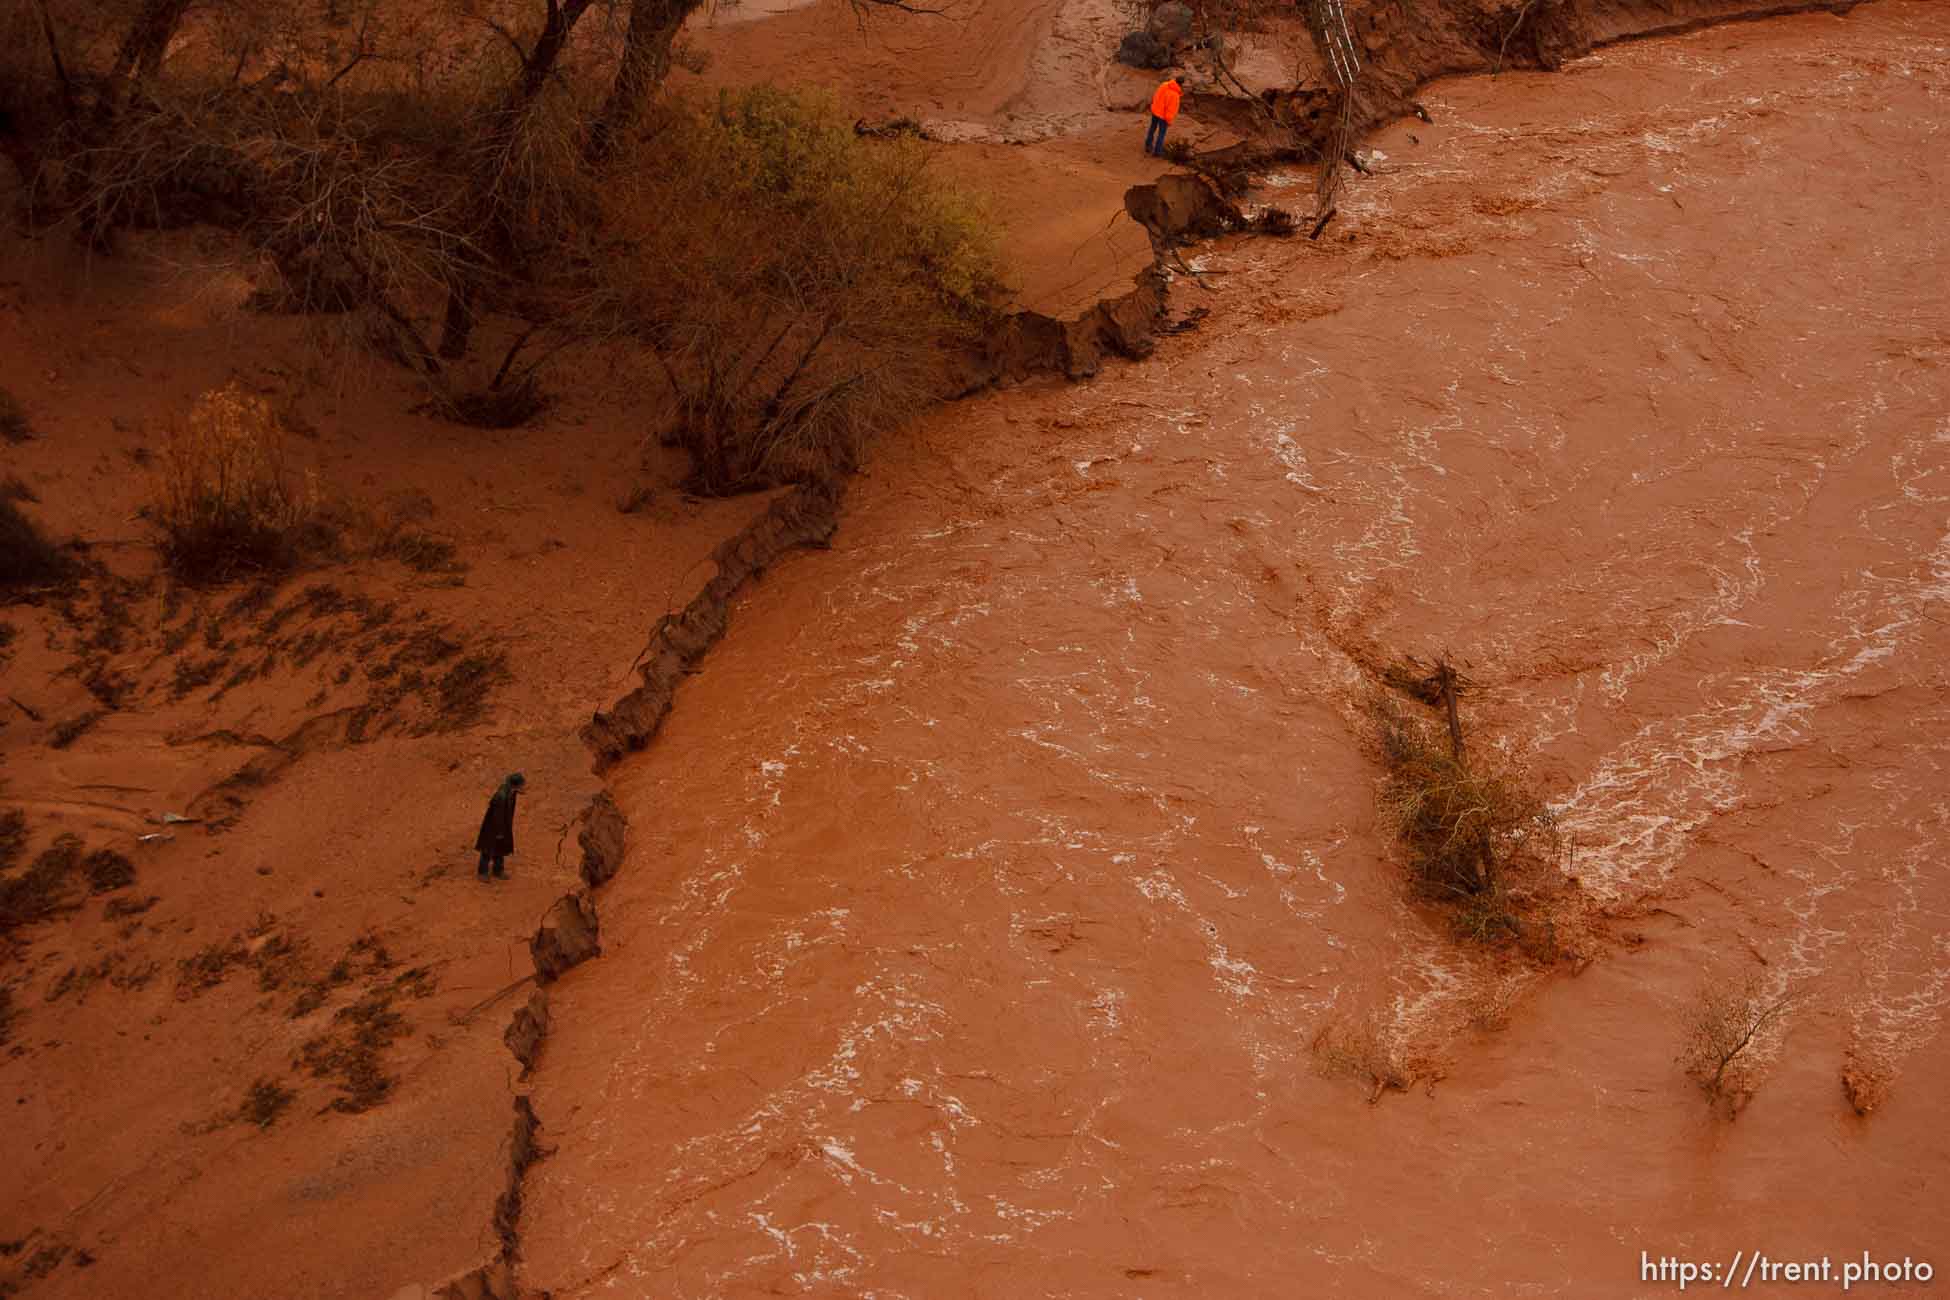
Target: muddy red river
point(990, 887)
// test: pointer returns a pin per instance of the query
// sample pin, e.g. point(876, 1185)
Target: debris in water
point(1193, 319)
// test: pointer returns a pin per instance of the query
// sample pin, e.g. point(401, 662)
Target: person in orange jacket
point(1164, 107)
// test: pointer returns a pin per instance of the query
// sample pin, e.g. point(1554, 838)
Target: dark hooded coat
point(497, 837)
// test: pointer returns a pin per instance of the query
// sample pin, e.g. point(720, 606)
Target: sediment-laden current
point(990, 886)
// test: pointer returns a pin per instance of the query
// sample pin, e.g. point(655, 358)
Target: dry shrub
point(107, 870)
point(45, 889)
point(264, 1102)
point(796, 281)
point(1475, 835)
point(227, 499)
point(1365, 1051)
point(69, 730)
point(351, 1052)
point(1723, 1028)
point(13, 420)
point(27, 558)
point(13, 836)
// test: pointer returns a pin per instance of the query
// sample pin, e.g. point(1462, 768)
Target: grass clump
point(119, 908)
point(27, 558)
point(69, 730)
point(264, 1102)
point(107, 871)
point(227, 499)
point(45, 889)
point(13, 836)
point(13, 420)
point(209, 966)
point(425, 553)
point(350, 1053)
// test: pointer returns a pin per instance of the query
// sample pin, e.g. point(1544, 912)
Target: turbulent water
point(991, 886)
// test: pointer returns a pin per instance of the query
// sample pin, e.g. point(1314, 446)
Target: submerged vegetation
point(1476, 838)
point(1726, 1028)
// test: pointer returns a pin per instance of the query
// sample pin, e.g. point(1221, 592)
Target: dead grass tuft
point(425, 553)
point(13, 837)
point(350, 1052)
point(13, 420)
point(118, 908)
point(209, 966)
point(107, 870)
point(45, 889)
point(28, 559)
point(464, 689)
point(227, 499)
point(264, 1102)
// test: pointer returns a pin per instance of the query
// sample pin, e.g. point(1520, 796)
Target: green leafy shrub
point(795, 281)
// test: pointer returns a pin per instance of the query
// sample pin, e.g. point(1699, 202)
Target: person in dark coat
point(497, 838)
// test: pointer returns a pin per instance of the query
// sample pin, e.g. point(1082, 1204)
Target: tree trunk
point(149, 36)
point(561, 21)
point(14, 147)
point(654, 25)
point(457, 331)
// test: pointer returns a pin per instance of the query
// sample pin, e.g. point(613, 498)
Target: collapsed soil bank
point(807, 517)
point(995, 893)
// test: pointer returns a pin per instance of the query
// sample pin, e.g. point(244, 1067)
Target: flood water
point(990, 885)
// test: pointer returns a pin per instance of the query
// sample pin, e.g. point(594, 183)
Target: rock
point(1143, 50)
point(1171, 23)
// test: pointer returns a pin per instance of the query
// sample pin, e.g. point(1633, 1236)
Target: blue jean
point(1154, 136)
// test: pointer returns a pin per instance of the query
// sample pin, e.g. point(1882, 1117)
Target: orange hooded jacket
point(1164, 104)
